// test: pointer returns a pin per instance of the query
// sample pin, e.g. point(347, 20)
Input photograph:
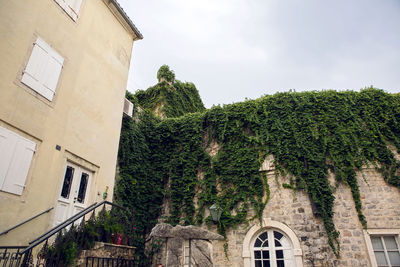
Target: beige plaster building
point(63, 72)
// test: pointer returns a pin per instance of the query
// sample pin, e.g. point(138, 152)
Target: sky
point(234, 50)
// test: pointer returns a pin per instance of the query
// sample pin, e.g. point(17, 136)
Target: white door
point(74, 192)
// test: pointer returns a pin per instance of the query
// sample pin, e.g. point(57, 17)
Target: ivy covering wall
point(169, 98)
point(309, 134)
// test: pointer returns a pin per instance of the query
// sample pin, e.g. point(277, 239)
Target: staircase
point(102, 254)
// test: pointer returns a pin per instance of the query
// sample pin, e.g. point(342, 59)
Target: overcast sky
point(237, 49)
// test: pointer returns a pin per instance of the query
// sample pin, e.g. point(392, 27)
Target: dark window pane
point(264, 236)
point(376, 243)
point(69, 174)
point(390, 243)
point(280, 263)
point(277, 235)
point(279, 254)
point(277, 243)
point(82, 187)
point(381, 259)
point(257, 244)
point(265, 254)
point(265, 244)
point(258, 264)
point(266, 263)
point(394, 257)
point(257, 254)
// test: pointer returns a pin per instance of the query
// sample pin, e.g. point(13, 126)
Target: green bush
point(69, 243)
point(309, 134)
point(165, 73)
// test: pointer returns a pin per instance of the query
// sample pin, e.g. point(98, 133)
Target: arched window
point(272, 249)
point(273, 244)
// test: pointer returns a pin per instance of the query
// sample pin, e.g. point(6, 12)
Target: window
point(66, 189)
point(386, 250)
point(71, 7)
point(383, 247)
point(272, 249)
point(15, 160)
point(43, 69)
point(273, 244)
point(82, 187)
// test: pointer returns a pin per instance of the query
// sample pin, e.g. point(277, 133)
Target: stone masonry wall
point(381, 207)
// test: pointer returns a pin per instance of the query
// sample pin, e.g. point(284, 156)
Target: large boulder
point(176, 238)
point(185, 232)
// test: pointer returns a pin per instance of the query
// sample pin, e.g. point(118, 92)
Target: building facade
point(290, 234)
point(288, 175)
point(63, 78)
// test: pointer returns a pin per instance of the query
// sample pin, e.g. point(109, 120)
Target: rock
point(201, 253)
point(161, 230)
point(179, 236)
point(174, 251)
point(185, 232)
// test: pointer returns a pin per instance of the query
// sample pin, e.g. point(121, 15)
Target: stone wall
point(106, 250)
point(381, 207)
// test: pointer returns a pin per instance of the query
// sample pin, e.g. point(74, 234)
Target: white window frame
point(71, 7)
point(378, 232)
point(15, 161)
point(257, 229)
point(43, 70)
point(288, 250)
point(186, 253)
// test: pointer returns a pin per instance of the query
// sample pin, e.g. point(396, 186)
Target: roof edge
point(119, 12)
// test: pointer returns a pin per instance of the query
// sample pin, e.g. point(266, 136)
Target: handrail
point(27, 220)
point(12, 247)
point(61, 224)
point(69, 221)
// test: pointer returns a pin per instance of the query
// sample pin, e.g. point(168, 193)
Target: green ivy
point(172, 100)
point(164, 73)
point(309, 134)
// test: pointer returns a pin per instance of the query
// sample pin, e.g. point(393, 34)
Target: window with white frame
point(43, 69)
point(271, 244)
point(272, 249)
point(15, 161)
point(383, 247)
point(386, 250)
point(71, 7)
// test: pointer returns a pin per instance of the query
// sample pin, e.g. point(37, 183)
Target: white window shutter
point(15, 161)
point(73, 7)
point(76, 6)
point(62, 3)
point(8, 142)
point(52, 73)
point(43, 69)
point(35, 67)
point(19, 167)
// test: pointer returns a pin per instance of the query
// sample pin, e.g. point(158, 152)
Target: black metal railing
point(23, 256)
point(10, 256)
point(27, 220)
point(109, 262)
